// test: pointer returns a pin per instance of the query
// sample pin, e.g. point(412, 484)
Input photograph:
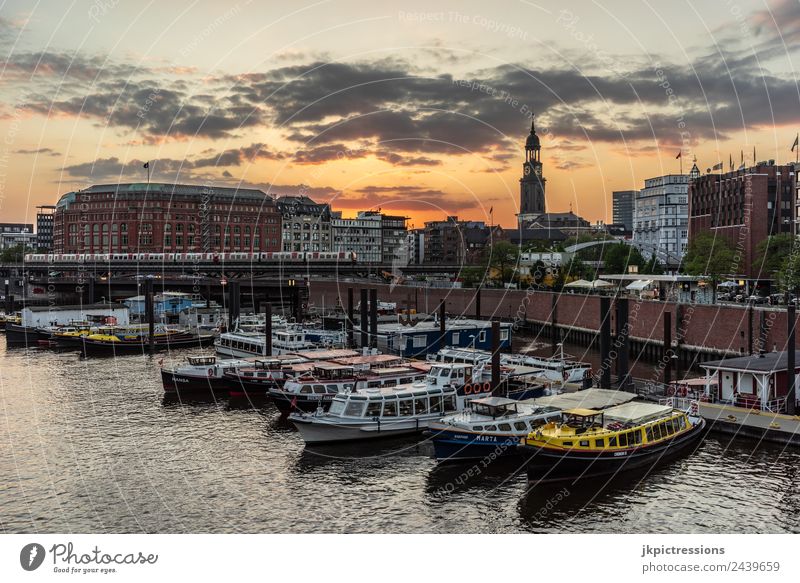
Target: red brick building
point(745, 206)
point(165, 218)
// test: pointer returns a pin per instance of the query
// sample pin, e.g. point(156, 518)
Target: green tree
point(772, 254)
point(502, 258)
point(12, 254)
point(618, 257)
point(710, 256)
point(652, 267)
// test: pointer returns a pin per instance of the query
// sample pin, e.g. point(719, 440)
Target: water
point(91, 446)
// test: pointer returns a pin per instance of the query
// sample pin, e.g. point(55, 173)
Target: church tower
point(531, 185)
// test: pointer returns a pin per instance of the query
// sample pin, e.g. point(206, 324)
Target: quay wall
point(712, 329)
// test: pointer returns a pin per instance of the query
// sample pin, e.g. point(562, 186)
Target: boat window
point(567, 444)
point(332, 388)
point(682, 422)
point(520, 426)
point(584, 443)
point(436, 405)
point(348, 387)
point(491, 428)
point(657, 431)
point(450, 403)
point(636, 437)
point(354, 408)
point(337, 406)
point(374, 409)
point(305, 390)
point(319, 389)
point(420, 406)
point(373, 384)
point(390, 409)
point(406, 407)
point(478, 428)
point(599, 442)
point(612, 441)
point(405, 381)
point(649, 433)
point(623, 439)
point(504, 427)
point(673, 425)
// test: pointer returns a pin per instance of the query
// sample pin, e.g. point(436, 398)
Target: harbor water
point(92, 446)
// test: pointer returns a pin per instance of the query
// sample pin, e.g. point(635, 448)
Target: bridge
point(665, 257)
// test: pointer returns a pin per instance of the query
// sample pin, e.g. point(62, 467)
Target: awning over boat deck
point(637, 413)
point(494, 401)
point(586, 399)
point(639, 285)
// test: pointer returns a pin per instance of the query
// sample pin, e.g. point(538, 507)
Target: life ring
point(211, 372)
point(565, 375)
point(487, 387)
point(467, 389)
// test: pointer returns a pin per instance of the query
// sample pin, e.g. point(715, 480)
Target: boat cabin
point(395, 402)
point(329, 371)
point(202, 360)
point(581, 420)
point(450, 374)
point(494, 407)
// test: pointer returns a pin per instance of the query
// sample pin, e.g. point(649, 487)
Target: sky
point(414, 108)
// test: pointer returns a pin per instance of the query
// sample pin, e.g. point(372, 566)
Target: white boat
point(200, 373)
point(243, 344)
point(557, 368)
point(388, 411)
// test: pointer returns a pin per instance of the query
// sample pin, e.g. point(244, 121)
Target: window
point(420, 341)
point(436, 405)
point(623, 439)
point(374, 408)
point(456, 338)
point(354, 408)
point(584, 443)
point(390, 409)
point(504, 427)
point(636, 437)
point(520, 426)
point(682, 422)
point(657, 431)
point(406, 407)
point(504, 334)
point(599, 443)
point(420, 406)
point(482, 336)
point(450, 403)
point(304, 391)
point(337, 406)
point(567, 444)
point(649, 433)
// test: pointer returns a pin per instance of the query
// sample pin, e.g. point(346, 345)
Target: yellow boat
point(586, 442)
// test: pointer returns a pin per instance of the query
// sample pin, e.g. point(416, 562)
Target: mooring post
point(233, 305)
point(790, 364)
point(555, 335)
point(623, 343)
point(149, 310)
point(364, 312)
point(441, 325)
point(667, 358)
point(605, 342)
point(268, 330)
point(373, 318)
point(478, 303)
point(348, 323)
point(495, 355)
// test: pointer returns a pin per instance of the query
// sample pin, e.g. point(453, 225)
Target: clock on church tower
point(532, 182)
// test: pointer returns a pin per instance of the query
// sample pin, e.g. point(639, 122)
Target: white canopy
point(582, 283)
point(728, 284)
point(601, 283)
point(639, 284)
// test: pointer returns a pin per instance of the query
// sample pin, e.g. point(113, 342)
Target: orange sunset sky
point(417, 108)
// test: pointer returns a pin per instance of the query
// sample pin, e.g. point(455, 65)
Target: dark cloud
point(402, 197)
point(42, 151)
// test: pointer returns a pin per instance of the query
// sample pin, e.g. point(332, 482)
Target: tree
point(503, 258)
point(788, 275)
point(772, 254)
point(710, 256)
point(12, 254)
point(652, 267)
point(618, 257)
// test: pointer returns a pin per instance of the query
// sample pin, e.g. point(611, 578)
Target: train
point(291, 257)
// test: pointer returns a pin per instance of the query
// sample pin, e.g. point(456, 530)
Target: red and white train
point(316, 257)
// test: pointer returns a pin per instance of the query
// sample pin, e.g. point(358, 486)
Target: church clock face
point(527, 170)
point(539, 171)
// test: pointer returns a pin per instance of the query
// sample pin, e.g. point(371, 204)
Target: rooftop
point(768, 362)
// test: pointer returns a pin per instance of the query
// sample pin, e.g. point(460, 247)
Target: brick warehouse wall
point(721, 328)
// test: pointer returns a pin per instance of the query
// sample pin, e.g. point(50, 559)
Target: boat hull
point(16, 334)
point(316, 432)
point(290, 402)
point(102, 348)
point(543, 464)
point(450, 445)
point(175, 383)
point(248, 388)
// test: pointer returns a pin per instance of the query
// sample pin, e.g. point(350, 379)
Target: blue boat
point(488, 428)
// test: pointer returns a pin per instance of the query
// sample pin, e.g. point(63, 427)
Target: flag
point(679, 155)
point(717, 166)
point(796, 143)
point(146, 165)
point(491, 210)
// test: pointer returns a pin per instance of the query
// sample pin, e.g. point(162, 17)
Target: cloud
point(42, 151)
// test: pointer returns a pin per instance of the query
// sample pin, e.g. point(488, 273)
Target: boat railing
point(776, 406)
point(683, 403)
